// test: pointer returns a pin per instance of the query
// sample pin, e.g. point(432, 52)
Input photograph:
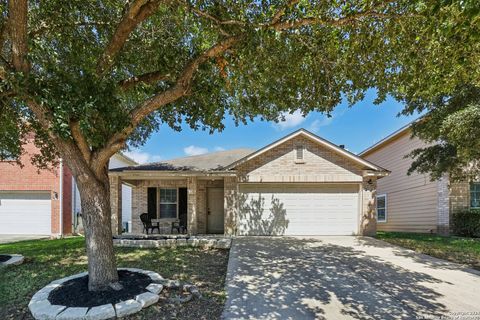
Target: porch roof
point(210, 162)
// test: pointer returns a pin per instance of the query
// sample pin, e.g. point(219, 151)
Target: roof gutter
point(155, 173)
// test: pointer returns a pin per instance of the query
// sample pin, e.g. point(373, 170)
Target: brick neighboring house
point(298, 185)
point(39, 202)
point(414, 203)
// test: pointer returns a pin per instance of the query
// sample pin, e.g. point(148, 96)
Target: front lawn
point(456, 249)
point(47, 260)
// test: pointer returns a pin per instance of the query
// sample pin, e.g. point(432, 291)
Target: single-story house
point(44, 201)
point(299, 185)
point(415, 203)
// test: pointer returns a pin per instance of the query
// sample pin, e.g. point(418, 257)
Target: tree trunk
point(95, 200)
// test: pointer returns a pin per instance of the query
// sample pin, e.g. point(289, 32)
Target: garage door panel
point(25, 213)
point(298, 210)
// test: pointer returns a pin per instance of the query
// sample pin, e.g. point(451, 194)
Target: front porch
point(204, 204)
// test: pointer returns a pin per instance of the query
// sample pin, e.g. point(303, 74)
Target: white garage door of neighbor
point(298, 210)
point(25, 213)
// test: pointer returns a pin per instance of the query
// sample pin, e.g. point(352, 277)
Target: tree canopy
point(452, 129)
point(104, 72)
point(89, 78)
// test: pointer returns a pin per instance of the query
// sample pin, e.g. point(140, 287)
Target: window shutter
point(152, 203)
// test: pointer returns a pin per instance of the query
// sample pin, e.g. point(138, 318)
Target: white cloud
point(194, 150)
point(291, 120)
point(142, 157)
point(318, 123)
point(219, 149)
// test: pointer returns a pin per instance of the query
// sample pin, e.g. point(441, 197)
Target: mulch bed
point(4, 257)
point(154, 237)
point(74, 293)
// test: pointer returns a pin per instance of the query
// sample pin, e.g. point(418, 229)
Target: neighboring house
point(415, 203)
point(298, 185)
point(40, 202)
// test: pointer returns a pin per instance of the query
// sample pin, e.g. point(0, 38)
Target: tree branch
point(18, 34)
point(80, 140)
point(276, 18)
point(354, 18)
point(148, 78)
point(136, 13)
point(180, 89)
point(183, 82)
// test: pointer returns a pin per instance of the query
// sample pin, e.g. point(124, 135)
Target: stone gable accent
point(320, 165)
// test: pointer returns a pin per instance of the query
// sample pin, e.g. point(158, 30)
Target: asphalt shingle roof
point(206, 162)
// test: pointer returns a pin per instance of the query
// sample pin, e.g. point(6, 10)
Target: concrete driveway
point(7, 238)
point(343, 278)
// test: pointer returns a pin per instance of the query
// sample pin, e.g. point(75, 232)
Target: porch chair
point(147, 223)
point(176, 225)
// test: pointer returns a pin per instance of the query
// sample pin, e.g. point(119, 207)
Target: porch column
point(230, 204)
point(368, 194)
point(192, 205)
point(116, 204)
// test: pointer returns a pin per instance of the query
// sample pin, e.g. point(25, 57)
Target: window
point(382, 208)
point(475, 195)
point(168, 203)
point(299, 154)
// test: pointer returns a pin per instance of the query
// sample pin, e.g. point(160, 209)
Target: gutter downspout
point(61, 197)
point(74, 206)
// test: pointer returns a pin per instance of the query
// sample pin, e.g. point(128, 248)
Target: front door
point(215, 211)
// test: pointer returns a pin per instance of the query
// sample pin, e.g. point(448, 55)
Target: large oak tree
point(93, 77)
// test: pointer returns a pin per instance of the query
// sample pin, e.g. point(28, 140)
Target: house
point(415, 203)
point(299, 185)
point(46, 201)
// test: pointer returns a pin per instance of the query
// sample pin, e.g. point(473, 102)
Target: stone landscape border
point(15, 259)
point(172, 242)
point(41, 308)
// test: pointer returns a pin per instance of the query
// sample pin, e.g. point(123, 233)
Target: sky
point(357, 127)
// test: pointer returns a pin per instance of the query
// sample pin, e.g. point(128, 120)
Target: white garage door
point(25, 213)
point(298, 210)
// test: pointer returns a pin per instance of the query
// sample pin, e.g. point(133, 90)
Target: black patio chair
point(177, 226)
point(147, 223)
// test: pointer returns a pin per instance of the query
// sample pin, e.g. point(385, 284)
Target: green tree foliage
point(90, 78)
point(452, 129)
point(286, 56)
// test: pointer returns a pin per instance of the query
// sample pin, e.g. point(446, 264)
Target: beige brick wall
point(443, 210)
point(320, 165)
point(459, 196)
point(197, 200)
point(368, 216)
point(116, 204)
point(139, 198)
point(230, 205)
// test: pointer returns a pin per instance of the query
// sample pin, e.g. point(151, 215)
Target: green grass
point(456, 249)
point(47, 260)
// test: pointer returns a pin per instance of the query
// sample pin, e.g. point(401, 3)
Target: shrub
point(466, 223)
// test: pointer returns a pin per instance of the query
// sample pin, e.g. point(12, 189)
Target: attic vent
point(299, 153)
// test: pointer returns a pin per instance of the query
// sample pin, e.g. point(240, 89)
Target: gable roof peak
point(315, 138)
